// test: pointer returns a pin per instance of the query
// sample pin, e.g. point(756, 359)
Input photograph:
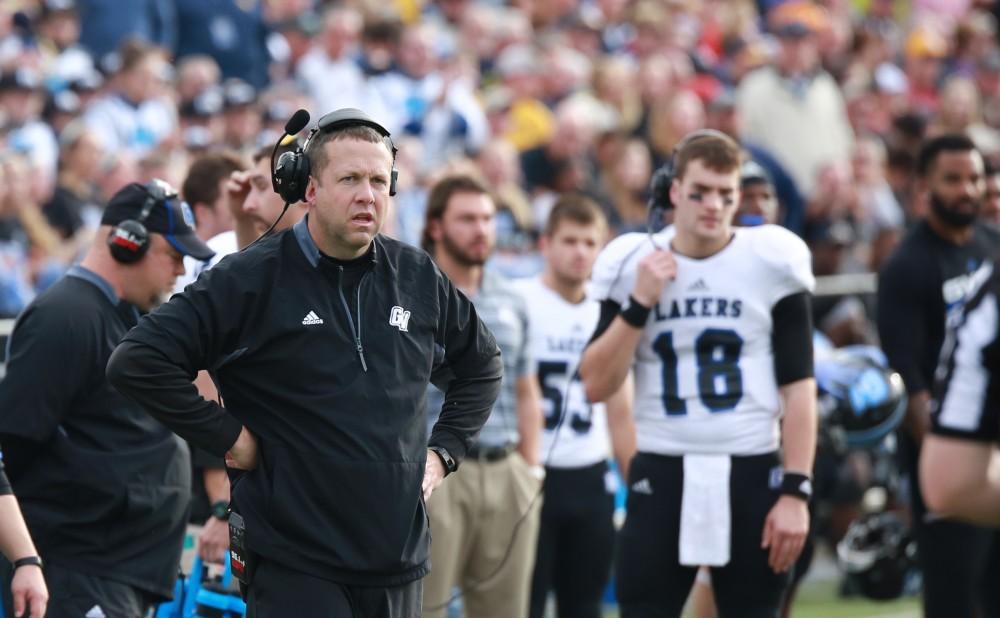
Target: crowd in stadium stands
point(831, 98)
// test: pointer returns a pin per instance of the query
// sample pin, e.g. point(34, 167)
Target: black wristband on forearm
point(635, 314)
point(796, 485)
point(28, 561)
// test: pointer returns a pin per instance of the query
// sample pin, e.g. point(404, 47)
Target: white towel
point(705, 516)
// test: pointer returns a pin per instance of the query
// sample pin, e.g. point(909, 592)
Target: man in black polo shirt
point(921, 286)
point(322, 340)
point(103, 486)
point(28, 586)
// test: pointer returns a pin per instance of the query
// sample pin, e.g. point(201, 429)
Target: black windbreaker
point(334, 396)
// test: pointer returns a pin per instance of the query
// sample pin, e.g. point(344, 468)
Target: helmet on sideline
point(860, 399)
point(878, 554)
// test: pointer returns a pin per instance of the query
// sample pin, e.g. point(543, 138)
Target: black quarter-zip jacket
point(334, 394)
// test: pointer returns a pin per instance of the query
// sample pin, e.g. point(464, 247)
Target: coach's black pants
point(650, 580)
point(575, 542)
point(280, 592)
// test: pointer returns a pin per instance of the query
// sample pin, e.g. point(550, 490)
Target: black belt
point(490, 453)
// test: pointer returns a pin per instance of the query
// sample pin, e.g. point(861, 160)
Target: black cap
point(170, 217)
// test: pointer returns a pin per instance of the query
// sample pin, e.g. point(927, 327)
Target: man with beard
point(103, 486)
point(923, 285)
point(485, 522)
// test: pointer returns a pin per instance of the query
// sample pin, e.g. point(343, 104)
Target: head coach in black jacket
point(322, 340)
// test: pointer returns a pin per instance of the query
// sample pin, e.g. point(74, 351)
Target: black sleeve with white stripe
point(967, 404)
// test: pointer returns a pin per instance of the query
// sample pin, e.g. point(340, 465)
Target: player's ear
point(675, 191)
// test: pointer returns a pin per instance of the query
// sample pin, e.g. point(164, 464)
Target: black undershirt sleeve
point(609, 309)
point(792, 338)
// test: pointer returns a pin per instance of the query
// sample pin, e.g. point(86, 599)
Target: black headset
point(129, 240)
point(659, 184)
point(290, 176)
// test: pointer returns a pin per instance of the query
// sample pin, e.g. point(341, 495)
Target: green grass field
point(818, 599)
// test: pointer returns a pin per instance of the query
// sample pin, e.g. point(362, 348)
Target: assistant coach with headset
point(104, 488)
point(322, 340)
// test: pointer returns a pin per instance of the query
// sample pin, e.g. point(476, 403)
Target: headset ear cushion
point(128, 241)
point(292, 175)
point(392, 181)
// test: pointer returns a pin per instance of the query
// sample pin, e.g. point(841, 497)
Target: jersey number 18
point(720, 381)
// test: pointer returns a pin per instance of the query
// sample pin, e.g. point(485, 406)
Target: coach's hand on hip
point(242, 455)
point(785, 532)
point(433, 474)
point(655, 271)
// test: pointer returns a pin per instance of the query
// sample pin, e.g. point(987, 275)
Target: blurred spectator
point(106, 24)
point(562, 163)
point(758, 201)
point(75, 208)
point(21, 100)
point(958, 112)
point(991, 199)
point(63, 58)
point(627, 183)
point(924, 54)
point(379, 45)
point(329, 72)
point(195, 75)
point(429, 97)
point(879, 217)
point(241, 117)
point(232, 32)
point(529, 123)
point(795, 110)
point(135, 116)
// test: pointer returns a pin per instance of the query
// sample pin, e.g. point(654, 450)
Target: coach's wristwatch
point(220, 510)
point(450, 465)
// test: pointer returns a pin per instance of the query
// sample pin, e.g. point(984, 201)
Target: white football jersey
point(559, 331)
point(704, 368)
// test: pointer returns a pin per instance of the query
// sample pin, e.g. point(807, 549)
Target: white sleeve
point(614, 271)
point(794, 273)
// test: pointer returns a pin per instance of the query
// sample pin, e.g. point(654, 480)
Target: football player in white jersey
point(715, 323)
point(576, 537)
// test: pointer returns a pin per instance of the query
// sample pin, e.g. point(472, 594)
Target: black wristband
point(28, 561)
point(635, 313)
point(796, 485)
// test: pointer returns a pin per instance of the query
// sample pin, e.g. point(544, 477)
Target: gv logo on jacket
point(399, 318)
